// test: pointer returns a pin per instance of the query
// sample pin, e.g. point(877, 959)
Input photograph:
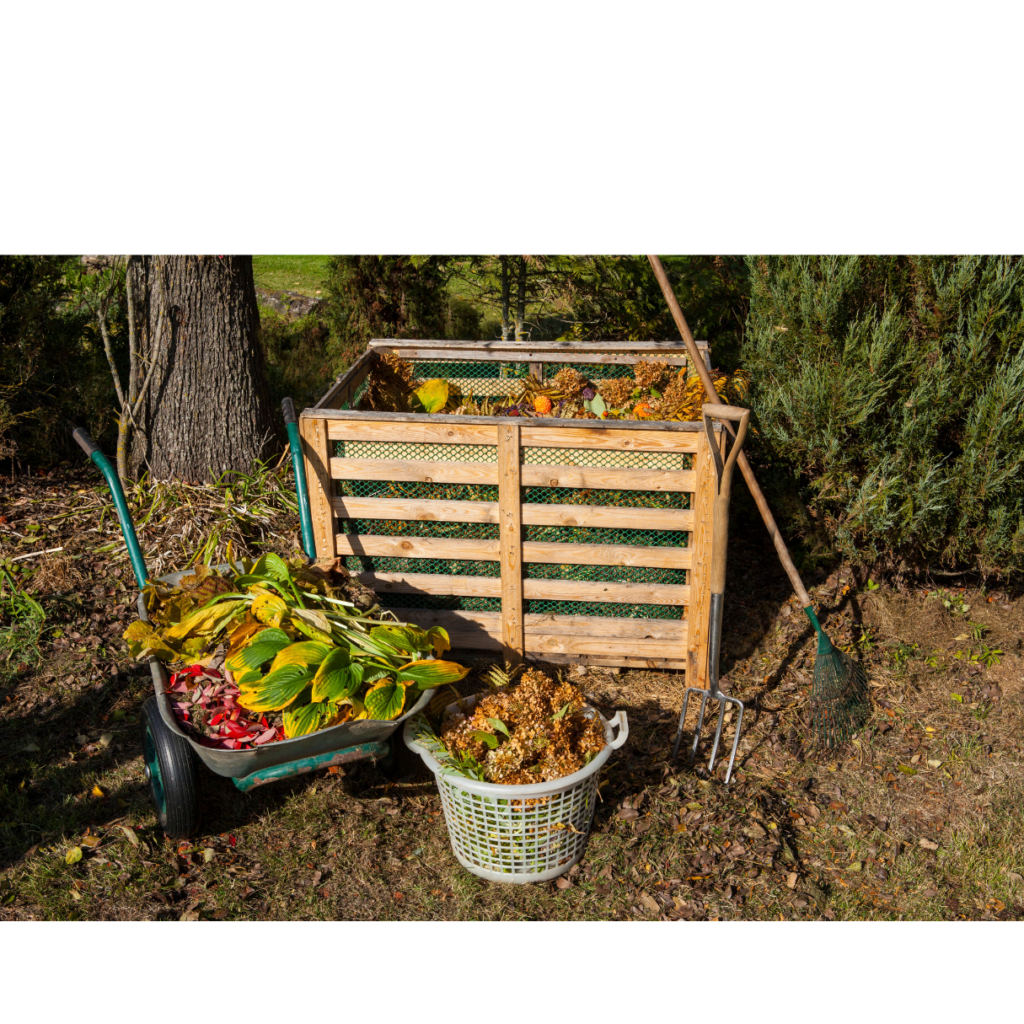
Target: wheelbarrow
point(171, 755)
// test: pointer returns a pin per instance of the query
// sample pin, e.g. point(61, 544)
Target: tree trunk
point(521, 299)
point(207, 408)
point(506, 285)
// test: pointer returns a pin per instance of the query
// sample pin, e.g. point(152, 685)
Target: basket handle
point(619, 721)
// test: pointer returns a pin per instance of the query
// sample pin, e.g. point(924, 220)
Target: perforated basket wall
point(519, 833)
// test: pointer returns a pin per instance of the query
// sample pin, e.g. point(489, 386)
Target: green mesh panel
point(500, 378)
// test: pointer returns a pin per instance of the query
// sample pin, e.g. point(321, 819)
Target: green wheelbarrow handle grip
point(92, 449)
point(299, 467)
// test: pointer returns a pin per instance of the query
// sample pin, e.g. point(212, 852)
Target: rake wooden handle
point(713, 396)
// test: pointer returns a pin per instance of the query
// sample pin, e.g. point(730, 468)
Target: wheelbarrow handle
point(291, 423)
point(85, 442)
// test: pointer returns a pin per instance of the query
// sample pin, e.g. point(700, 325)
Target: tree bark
point(207, 408)
point(506, 284)
point(521, 298)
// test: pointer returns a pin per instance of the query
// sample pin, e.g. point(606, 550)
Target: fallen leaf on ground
point(105, 740)
point(132, 837)
point(73, 856)
point(927, 844)
point(562, 882)
point(791, 880)
point(90, 841)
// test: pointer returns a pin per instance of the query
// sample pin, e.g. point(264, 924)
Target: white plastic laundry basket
point(519, 833)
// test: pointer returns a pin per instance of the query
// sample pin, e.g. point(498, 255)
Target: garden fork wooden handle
point(748, 473)
point(720, 530)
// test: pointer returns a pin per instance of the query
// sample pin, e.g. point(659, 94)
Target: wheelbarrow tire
point(173, 779)
point(400, 762)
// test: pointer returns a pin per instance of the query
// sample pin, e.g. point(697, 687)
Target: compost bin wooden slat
point(430, 510)
point(533, 551)
point(533, 590)
point(415, 469)
point(590, 437)
point(412, 433)
point(671, 630)
point(572, 347)
point(344, 387)
point(537, 355)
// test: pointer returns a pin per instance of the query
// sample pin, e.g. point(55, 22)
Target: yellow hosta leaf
point(206, 620)
point(309, 653)
point(433, 395)
point(268, 608)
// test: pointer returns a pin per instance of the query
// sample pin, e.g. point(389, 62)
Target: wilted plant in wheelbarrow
point(318, 666)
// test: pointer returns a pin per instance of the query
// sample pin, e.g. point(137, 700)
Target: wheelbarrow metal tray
point(237, 764)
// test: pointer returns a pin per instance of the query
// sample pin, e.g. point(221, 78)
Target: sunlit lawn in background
point(302, 272)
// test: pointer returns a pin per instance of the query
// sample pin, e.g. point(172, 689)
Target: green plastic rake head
point(840, 700)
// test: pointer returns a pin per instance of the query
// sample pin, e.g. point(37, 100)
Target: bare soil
point(919, 817)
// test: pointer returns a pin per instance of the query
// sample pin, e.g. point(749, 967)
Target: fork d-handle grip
point(85, 442)
point(92, 449)
point(299, 466)
point(748, 474)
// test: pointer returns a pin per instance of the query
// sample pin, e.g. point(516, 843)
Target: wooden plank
point(357, 415)
point(670, 630)
point(604, 478)
point(572, 347)
point(639, 440)
point(533, 590)
point(700, 574)
point(414, 433)
point(534, 355)
point(599, 661)
point(489, 551)
point(417, 547)
point(586, 477)
point(510, 542)
point(611, 517)
point(343, 388)
point(318, 479)
point(414, 469)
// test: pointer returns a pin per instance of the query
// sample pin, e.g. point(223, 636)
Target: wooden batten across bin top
point(591, 458)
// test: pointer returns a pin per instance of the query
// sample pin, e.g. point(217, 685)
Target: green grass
point(303, 274)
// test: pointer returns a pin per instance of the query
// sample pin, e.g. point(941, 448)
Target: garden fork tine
point(720, 539)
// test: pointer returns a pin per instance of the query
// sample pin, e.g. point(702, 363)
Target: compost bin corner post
point(510, 515)
point(700, 568)
point(318, 476)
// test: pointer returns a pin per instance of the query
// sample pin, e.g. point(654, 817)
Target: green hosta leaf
point(308, 718)
point(276, 690)
point(403, 639)
point(384, 700)
point(338, 676)
point(433, 395)
point(426, 674)
point(485, 737)
point(308, 652)
point(266, 644)
point(596, 405)
point(270, 565)
point(498, 725)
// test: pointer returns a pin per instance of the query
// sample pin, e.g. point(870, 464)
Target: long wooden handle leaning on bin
point(748, 473)
point(720, 531)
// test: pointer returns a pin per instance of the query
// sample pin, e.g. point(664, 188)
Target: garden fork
point(719, 542)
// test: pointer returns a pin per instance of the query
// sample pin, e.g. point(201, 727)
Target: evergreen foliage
point(892, 388)
point(52, 367)
point(386, 297)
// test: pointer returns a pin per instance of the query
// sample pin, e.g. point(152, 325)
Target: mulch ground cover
point(918, 817)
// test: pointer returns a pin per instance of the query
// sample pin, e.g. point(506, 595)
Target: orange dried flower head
point(644, 411)
point(542, 404)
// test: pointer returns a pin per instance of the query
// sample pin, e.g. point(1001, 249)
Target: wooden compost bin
point(555, 539)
